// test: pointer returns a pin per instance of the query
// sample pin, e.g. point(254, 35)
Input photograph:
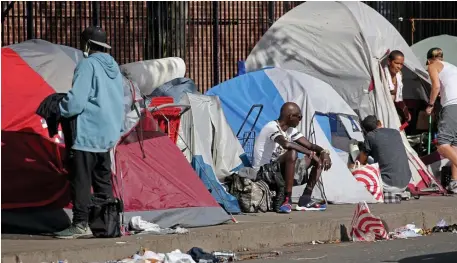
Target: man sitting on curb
point(278, 144)
point(386, 147)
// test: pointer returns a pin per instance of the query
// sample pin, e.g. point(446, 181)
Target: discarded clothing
point(50, 111)
point(198, 254)
point(138, 224)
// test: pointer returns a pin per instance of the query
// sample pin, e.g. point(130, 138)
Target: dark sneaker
point(312, 205)
point(74, 231)
point(286, 207)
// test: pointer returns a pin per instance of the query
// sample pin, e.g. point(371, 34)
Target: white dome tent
point(345, 44)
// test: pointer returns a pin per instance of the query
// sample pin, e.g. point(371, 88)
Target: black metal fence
point(210, 36)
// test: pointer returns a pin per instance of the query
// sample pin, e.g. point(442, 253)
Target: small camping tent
point(446, 42)
point(150, 173)
point(210, 145)
point(319, 102)
point(346, 44)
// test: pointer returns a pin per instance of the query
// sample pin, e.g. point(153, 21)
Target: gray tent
point(346, 45)
point(446, 42)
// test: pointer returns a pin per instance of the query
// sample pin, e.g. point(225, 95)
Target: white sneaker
point(452, 187)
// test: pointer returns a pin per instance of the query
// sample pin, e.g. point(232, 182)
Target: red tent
point(150, 173)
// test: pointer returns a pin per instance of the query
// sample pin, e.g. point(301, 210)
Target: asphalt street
point(437, 248)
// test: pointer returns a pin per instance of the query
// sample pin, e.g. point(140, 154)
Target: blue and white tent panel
point(272, 87)
point(210, 145)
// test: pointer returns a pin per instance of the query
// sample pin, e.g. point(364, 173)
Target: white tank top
point(448, 81)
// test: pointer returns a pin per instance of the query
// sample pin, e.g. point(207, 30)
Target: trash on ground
point(147, 256)
point(366, 226)
point(451, 228)
point(225, 256)
point(198, 255)
point(140, 226)
point(441, 223)
point(408, 231)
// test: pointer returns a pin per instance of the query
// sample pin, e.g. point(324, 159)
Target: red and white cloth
point(366, 226)
point(370, 176)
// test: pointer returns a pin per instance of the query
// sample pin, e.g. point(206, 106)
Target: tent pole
point(429, 134)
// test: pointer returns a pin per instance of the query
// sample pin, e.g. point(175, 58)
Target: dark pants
point(88, 169)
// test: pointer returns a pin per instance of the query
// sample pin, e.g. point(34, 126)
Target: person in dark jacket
point(96, 98)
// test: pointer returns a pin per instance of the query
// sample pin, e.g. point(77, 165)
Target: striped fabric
point(370, 177)
point(365, 226)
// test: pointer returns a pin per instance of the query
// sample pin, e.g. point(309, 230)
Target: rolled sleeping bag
point(150, 74)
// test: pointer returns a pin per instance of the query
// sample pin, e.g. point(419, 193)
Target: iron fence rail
point(210, 36)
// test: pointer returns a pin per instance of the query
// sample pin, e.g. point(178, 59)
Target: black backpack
point(105, 216)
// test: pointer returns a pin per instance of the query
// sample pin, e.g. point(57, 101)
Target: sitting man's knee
point(291, 156)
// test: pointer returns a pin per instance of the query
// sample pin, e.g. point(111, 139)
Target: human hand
point(429, 110)
point(326, 161)
point(408, 118)
point(316, 160)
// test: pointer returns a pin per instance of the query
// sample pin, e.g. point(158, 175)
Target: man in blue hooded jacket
point(96, 98)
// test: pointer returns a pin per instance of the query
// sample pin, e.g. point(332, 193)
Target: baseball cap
point(435, 52)
point(96, 35)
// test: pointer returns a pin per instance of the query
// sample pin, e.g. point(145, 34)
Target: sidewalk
point(257, 231)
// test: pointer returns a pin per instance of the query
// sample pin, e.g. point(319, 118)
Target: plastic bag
point(370, 176)
point(366, 226)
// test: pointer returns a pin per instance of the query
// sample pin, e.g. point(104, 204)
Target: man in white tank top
point(444, 82)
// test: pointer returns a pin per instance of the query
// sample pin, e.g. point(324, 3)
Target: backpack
point(105, 216)
point(252, 196)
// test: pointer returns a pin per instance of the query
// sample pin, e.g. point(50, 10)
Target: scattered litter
point(121, 242)
point(140, 226)
point(147, 256)
point(451, 228)
point(441, 223)
point(316, 242)
point(225, 256)
point(198, 255)
point(408, 231)
point(442, 226)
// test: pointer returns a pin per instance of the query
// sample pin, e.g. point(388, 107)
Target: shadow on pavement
point(448, 257)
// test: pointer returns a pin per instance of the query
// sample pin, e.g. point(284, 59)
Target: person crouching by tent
point(386, 147)
point(444, 80)
point(393, 73)
point(278, 145)
point(96, 98)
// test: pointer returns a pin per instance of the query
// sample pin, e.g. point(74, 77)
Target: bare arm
point(302, 141)
point(285, 144)
point(363, 158)
point(434, 77)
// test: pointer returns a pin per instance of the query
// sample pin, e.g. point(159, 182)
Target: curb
point(236, 237)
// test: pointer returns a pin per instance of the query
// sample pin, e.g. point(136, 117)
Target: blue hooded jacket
point(97, 98)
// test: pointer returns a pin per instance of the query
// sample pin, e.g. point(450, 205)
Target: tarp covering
point(446, 42)
point(176, 88)
point(162, 187)
point(345, 45)
point(272, 87)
